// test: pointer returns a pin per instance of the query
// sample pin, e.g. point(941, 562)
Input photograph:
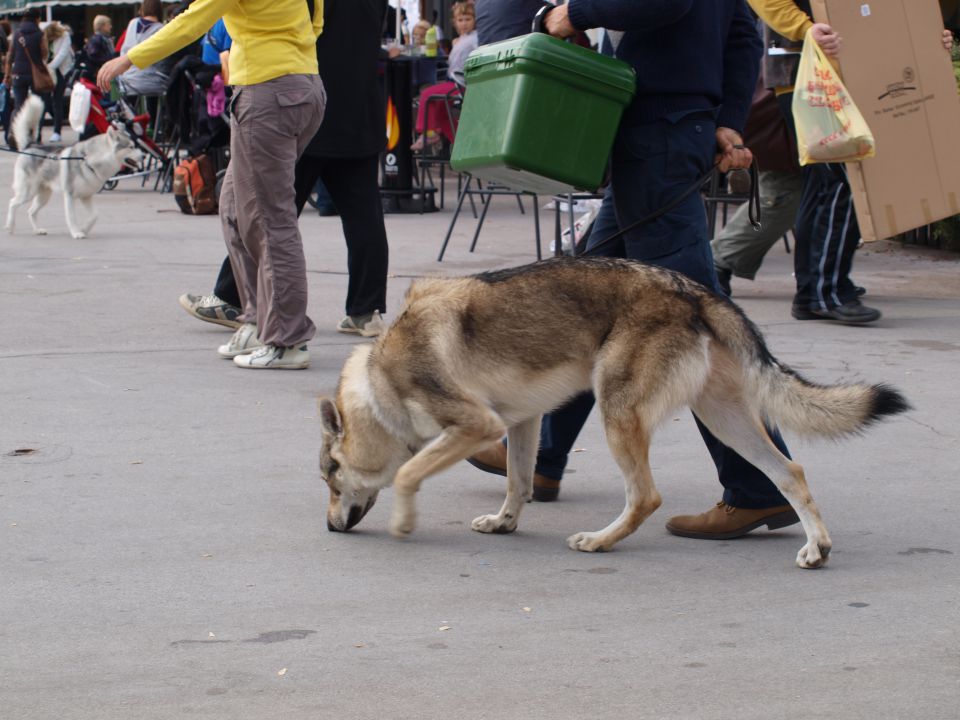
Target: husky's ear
point(112, 133)
point(330, 417)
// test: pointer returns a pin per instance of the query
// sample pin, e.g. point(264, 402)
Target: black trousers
point(826, 233)
point(53, 103)
point(353, 186)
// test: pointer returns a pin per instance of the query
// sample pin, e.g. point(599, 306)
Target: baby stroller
point(91, 113)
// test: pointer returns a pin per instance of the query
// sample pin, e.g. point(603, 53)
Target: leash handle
point(753, 206)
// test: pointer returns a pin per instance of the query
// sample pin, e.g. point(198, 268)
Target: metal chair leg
point(453, 220)
point(536, 224)
point(483, 216)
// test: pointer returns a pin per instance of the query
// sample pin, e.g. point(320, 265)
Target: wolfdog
point(80, 170)
point(469, 359)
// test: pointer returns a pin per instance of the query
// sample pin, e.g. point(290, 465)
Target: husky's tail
point(785, 398)
point(27, 122)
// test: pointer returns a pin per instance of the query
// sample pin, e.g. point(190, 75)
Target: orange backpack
point(194, 183)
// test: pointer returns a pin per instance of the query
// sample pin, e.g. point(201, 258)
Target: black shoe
point(850, 313)
point(859, 290)
point(723, 278)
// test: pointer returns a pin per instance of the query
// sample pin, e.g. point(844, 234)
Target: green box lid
point(579, 66)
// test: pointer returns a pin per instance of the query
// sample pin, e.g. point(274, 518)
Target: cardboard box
point(901, 78)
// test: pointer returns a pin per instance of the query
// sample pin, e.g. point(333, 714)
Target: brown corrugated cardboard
point(895, 67)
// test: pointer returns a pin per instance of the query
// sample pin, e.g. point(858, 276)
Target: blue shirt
point(216, 41)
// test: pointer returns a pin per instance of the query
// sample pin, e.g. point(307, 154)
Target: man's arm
point(741, 65)
point(783, 16)
point(616, 14)
point(178, 33)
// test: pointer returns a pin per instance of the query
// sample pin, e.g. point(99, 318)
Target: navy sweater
point(688, 54)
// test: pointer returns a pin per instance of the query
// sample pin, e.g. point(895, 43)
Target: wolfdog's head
point(358, 457)
point(353, 490)
point(125, 151)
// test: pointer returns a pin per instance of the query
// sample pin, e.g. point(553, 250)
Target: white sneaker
point(366, 325)
point(271, 357)
point(243, 341)
point(55, 137)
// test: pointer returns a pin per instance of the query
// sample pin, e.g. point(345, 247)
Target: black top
point(32, 35)
point(348, 52)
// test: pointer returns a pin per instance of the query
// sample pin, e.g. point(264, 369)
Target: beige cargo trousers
point(270, 126)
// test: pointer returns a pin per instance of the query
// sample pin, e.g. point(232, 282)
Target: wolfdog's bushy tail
point(27, 122)
point(786, 398)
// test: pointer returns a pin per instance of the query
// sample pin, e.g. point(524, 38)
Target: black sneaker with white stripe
point(212, 309)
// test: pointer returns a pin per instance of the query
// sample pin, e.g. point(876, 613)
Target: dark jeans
point(353, 187)
point(53, 103)
point(826, 233)
point(651, 165)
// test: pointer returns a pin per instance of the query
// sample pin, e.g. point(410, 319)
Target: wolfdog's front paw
point(814, 555)
point(39, 231)
point(587, 542)
point(78, 235)
point(494, 524)
point(8, 228)
point(402, 524)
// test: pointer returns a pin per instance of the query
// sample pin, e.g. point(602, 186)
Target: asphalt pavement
point(164, 553)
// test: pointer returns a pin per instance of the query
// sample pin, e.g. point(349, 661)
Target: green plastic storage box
point(540, 114)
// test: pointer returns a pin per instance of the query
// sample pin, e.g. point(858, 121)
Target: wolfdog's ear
point(330, 417)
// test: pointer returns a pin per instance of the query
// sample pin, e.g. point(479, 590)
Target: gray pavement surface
point(163, 550)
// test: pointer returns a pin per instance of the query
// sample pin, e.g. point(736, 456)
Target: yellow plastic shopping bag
point(830, 128)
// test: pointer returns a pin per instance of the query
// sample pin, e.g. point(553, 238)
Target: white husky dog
point(80, 171)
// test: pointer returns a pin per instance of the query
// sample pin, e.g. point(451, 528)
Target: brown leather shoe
point(493, 459)
point(725, 522)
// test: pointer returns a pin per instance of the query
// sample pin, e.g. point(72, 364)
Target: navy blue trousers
point(651, 165)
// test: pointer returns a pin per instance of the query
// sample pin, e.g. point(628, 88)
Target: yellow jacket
point(271, 38)
point(783, 16)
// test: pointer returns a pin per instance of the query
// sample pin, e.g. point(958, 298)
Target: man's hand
point(827, 39)
point(557, 23)
point(947, 38)
point(112, 69)
point(731, 153)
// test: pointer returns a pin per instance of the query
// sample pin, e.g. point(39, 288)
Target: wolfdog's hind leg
point(628, 436)
point(522, 441)
point(730, 421)
point(20, 197)
point(39, 201)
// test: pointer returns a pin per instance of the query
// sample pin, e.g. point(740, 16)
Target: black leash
point(44, 157)
point(753, 207)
